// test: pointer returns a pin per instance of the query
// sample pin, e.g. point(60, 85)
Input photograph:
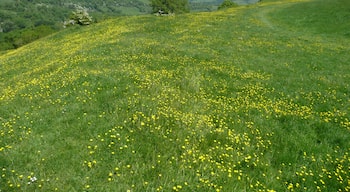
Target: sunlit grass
point(221, 101)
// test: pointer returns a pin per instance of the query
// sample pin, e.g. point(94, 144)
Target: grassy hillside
point(22, 22)
point(246, 99)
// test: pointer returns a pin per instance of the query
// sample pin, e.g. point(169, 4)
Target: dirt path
point(262, 15)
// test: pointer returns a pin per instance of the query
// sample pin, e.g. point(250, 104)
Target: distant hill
point(23, 14)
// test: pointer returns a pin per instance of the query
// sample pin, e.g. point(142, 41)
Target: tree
point(80, 17)
point(170, 6)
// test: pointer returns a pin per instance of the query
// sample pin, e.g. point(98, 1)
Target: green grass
point(246, 99)
point(332, 19)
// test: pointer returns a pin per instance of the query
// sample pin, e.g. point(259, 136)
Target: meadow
point(254, 98)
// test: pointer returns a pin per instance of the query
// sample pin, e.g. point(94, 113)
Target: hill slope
point(235, 100)
point(22, 22)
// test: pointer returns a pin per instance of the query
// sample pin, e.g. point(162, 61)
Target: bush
point(80, 17)
point(227, 4)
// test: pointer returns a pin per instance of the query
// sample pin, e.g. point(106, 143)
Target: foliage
point(79, 17)
point(170, 6)
point(20, 37)
point(227, 4)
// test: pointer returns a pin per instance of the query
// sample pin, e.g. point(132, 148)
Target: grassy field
point(255, 98)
